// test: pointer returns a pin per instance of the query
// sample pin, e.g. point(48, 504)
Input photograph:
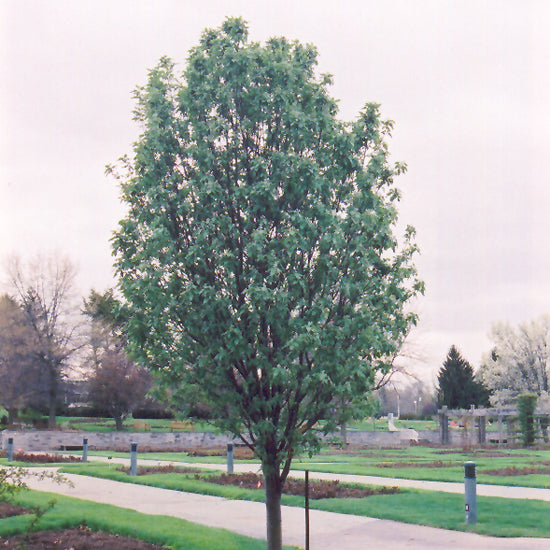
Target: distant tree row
point(49, 340)
point(518, 364)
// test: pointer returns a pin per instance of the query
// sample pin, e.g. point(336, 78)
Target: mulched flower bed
point(240, 452)
point(514, 471)
point(75, 539)
point(317, 489)
point(8, 510)
point(167, 469)
point(44, 458)
point(434, 464)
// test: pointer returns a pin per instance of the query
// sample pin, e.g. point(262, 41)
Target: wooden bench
point(176, 425)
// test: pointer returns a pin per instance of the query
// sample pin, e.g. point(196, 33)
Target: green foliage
point(11, 482)
point(457, 385)
point(527, 403)
point(258, 256)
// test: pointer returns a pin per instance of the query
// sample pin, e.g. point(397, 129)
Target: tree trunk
point(52, 397)
point(344, 433)
point(12, 415)
point(51, 411)
point(273, 489)
point(118, 423)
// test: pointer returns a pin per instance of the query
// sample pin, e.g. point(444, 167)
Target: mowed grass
point(496, 516)
point(422, 463)
point(162, 530)
point(103, 425)
point(437, 464)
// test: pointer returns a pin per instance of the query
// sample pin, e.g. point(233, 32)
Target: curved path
point(329, 531)
point(502, 491)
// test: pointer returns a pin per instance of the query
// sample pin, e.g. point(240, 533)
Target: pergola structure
point(477, 418)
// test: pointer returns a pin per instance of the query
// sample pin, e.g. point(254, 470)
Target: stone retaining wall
point(41, 440)
point(38, 440)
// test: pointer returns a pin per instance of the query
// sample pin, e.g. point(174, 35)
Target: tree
point(519, 361)
point(18, 376)
point(457, 384)
point(117, 384)
point(258, 257)
point(43, 288)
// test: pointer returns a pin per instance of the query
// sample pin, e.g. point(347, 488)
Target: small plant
point(37, 514)
point(526, 413)
point(11, 482)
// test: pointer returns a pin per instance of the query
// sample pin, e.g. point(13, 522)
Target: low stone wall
point(39, 440)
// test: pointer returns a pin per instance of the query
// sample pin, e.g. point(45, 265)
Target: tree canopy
point(19, 376)
point(258, 257)
point(43, 289)
point(458, 387)
point(116, 384)
point(519, 361)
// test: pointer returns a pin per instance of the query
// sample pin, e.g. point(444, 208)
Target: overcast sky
point(466, 82)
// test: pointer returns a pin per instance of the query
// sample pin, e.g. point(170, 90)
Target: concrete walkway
point(502, 491)
point(329, 531)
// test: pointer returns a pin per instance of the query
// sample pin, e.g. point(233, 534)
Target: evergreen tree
point(457, 385)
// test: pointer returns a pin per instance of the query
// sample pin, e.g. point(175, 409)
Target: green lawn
point(108, 424)
point(163, 530)
point(422, 463)
point(496, 516)
point(435, 464)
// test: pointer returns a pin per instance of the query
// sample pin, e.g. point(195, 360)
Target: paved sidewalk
point(329, 531)
point(444, 486)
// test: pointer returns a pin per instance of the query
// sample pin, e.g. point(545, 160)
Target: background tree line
point(55, 348)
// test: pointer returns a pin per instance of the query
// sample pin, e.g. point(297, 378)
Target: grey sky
point(466, 83)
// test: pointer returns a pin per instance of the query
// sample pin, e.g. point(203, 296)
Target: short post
point(306, 492)
point(85, 449)
point(133, 459)
point(482, 429)
point(444, 425)
point(470, 499)
point(500, 435)
point(230, 458)
point(10, 449)
point(472, 433)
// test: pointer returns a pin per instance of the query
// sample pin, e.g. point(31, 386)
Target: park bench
point(70, 447)
point(183, 425)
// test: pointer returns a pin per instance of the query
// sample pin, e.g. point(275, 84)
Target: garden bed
point(75, 539)
point(168, 469)
point(44, 458)
point(317, 489)
point(8, 510)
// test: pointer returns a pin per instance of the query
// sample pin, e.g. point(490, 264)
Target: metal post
point(500, 437)
point(230, 458)
point(133, 459)
point(444, 425)
point(470, 499)
point(84, 449)
point(10, 449)
point(306, 491)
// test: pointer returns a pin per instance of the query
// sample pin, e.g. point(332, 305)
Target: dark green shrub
point(526, 413)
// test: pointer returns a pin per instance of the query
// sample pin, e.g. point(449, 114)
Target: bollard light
point(133, 459)
point(470, 498)
point(10, 449)
point(84, 449)
point(230, 458)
